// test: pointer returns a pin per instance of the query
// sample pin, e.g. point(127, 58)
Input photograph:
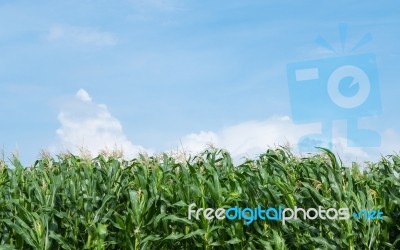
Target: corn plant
point(71, 202)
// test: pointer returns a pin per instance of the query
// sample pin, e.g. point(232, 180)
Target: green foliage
point(110, 203)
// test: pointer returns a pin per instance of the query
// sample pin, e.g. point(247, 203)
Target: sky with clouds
point(155, 75)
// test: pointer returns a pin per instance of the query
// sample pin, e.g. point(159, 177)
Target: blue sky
point(157, 74)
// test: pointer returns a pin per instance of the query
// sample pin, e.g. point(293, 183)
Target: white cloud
point(85, 124)
point(254, 137)
point(83, 95)
point(251, 137)
point(390, 141)
point(89, 125)
point(80, 36)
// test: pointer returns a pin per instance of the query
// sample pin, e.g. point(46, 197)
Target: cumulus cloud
point(254, 137)
point(86, 124)
point(390, 142)
point(251, 137)
point(80, 36)
point(83, 96)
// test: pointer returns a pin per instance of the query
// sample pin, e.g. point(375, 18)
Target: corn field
point(72, 202)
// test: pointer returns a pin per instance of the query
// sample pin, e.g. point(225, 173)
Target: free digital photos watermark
point(280, 213)
point(344, 86)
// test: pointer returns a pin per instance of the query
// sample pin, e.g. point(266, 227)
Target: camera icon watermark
point(336, 88)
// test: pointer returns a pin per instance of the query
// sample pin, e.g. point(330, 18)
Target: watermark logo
point(280, 214)
point(344, 87)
